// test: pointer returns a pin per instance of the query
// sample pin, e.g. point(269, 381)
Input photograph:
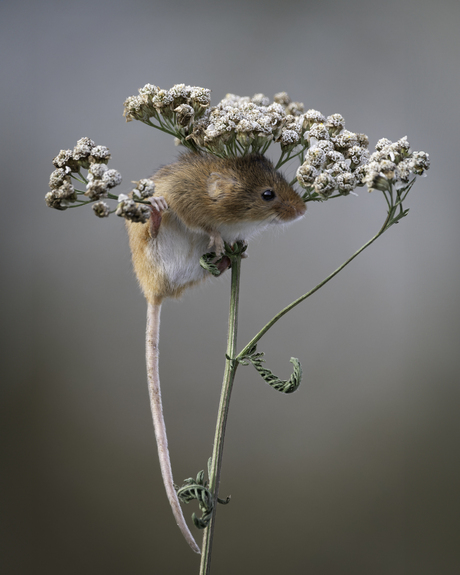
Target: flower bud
point(184, 115)
point(101, 209)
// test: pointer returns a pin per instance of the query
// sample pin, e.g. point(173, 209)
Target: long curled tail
point(152, 352)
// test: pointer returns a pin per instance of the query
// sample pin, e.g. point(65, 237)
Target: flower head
point(129, 210)
point(100, 154)
point(101, 209)
point(96, 171)
point(111, 178)
point(184, 115)
point(96, 189)
point(59, 176)
point(144, 188)
point(295, 109)
point(65, 159)
point(392, 163)
point(282, 98)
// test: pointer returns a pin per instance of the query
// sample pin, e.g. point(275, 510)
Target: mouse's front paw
point(215, 239)
point(158, 203)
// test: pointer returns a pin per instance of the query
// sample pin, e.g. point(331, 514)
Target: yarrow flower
point(111, 178)
point(184, 114)
point(99, 183)
point(282, 98)
point(333, 160)
point(83, 155)
point(154, 102)
point(101, 209)
point(59, 176)
point(96, 189)
point(338, 160)
point(393, 164)
point(144, 188)
point(60, 197)
point(132, 211)
point(96, 171)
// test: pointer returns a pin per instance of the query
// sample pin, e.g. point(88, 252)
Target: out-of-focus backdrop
point(358, 472)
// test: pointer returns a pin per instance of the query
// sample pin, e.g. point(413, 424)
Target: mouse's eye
point(268, 195)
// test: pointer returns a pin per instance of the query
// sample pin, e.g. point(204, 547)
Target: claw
point(159, 205)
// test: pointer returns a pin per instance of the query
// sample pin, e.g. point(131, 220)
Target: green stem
point(162, 128)
point(229, 376)
point(81, 179)
point(80, 204)
point(282, 161)
point(232, 363)
point(284, 311)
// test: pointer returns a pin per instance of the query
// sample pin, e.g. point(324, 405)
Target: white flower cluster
point(128, 207)
point(236, 126)
point(187, 102)
point(243, 124)
point(62, 192)
point(101, 209)
point(144, 189)
point(335, 158)
point(338, 161)
point(100, 180)
point(84, 154)
point(393, 164)
point(334, 161)
point(130, 210)
point(248, 120)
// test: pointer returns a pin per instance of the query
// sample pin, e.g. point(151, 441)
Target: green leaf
point(198, 489)
point(284, 386)
point(208, 262)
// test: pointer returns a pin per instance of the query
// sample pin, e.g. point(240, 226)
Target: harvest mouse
point(200, 202)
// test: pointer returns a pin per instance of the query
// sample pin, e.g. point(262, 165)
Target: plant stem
point(229, 376)
point(296, 302)
point(232, 363)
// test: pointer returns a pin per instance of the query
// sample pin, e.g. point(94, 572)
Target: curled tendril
point(209, 263)
point(198, 489)
point(284, 386)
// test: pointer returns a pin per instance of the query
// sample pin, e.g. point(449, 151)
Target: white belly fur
point(178, 250)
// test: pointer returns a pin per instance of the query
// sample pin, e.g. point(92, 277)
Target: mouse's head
point(250, 189)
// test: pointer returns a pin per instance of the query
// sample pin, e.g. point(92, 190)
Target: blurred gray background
point(358, 472)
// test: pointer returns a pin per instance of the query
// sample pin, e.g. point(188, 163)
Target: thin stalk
point(80, 204)
point(232, 363)
point(283, 160)
point(229, 376)
point(296, 302)
point(83, 180)
point(161, 127)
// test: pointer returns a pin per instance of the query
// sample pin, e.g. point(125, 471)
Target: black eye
point(268, 195)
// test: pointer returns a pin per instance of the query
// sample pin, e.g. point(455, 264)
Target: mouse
point(200, 203)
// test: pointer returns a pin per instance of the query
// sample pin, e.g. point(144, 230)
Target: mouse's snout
point(290, 211)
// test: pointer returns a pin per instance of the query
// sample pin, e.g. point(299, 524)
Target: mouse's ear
point(219, 185)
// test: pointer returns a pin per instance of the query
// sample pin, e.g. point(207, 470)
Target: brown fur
point(206, 194)
point(185, 187)
point(208, 199)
